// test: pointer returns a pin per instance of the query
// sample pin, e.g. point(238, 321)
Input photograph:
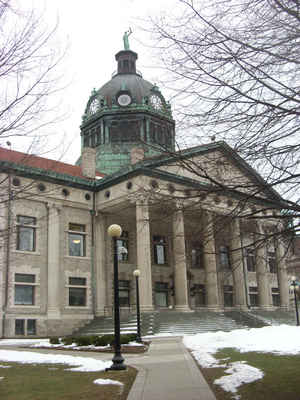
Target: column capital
point(51, 205)
point(140, 197)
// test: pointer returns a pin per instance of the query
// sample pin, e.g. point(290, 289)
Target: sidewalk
point(168, 372)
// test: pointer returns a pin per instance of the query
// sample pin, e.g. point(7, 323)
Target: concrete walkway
point(167, 371)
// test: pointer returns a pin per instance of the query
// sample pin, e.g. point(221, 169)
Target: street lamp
point(115, 231)
point(294, 286)
point(137, 273)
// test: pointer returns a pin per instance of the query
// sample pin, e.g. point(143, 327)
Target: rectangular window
point(253, 296)
point(197, 255)
point(250, 259)
point(25, 327)
point(26, 233)
point(77, 240)
point(24, 290)
point(123, 246)
point(77, 294)
point(228, 296)
point(272, 262)
point(224, 257)
point(20, 327)
point(160, 250)
point(275, 297)
point(200, 295)
point(31, 327)
point(124, 290)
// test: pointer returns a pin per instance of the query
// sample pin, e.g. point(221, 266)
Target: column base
point(183, 308)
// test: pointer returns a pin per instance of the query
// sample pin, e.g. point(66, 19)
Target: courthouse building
point(182, 227)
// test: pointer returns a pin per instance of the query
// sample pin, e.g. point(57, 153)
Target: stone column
point(54, 274)
point(143, 243)
point(180, 270)
point(238, 265)
point(100, 273)
point(282, 274)
point(262, 273)
point(210, 262)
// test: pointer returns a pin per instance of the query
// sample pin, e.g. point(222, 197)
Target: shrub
point(125, 339)
point(104, 340)
point(54, 340)
point(67, 340)
point(83, 340)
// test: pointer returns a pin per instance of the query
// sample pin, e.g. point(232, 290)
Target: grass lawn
point(53, 382)
point(280, 382)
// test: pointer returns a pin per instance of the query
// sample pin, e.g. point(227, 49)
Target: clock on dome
point(124, 100)
point(94, 106)
point(156, 102)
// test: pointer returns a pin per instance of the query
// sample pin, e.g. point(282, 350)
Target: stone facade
point(191, 256)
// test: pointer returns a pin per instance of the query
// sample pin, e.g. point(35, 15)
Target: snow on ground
point(283, 339)
point(80, 364)
point(107, 382)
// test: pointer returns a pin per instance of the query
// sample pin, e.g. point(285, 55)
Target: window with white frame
point(160, 249)
point(77, 291)
point(123, 246)
point(26, 233)
point(24, 289)
point(77, 240)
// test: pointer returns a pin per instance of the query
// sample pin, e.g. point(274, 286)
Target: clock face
point(156, 102)
point(124, 100)
point(94, 106)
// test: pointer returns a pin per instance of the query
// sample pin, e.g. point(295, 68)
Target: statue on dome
point(126, 40)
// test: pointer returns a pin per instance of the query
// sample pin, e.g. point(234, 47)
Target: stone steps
point(172, 323)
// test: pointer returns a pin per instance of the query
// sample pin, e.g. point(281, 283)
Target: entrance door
point(161, 294)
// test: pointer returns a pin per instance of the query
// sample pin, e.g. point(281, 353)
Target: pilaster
point(54, 275)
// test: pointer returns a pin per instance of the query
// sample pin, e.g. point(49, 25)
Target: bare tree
point(29, 58)
point(234, 70)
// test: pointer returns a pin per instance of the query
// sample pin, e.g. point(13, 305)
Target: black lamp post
point(295, 287)
point(114, 231)
point(137, 273)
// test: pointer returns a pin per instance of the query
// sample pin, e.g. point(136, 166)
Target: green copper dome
point(125, 113)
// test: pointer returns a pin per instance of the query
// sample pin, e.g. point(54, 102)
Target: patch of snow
point(240, 373)
point(5, 366)
point(81, 364)
point(107, 382)
point(269, 339)
point(1, 377)
point(26, 342)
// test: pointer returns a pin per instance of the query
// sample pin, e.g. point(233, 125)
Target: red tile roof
point(44, 163)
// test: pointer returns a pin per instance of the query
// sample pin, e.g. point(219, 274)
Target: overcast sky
point(94, 29)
